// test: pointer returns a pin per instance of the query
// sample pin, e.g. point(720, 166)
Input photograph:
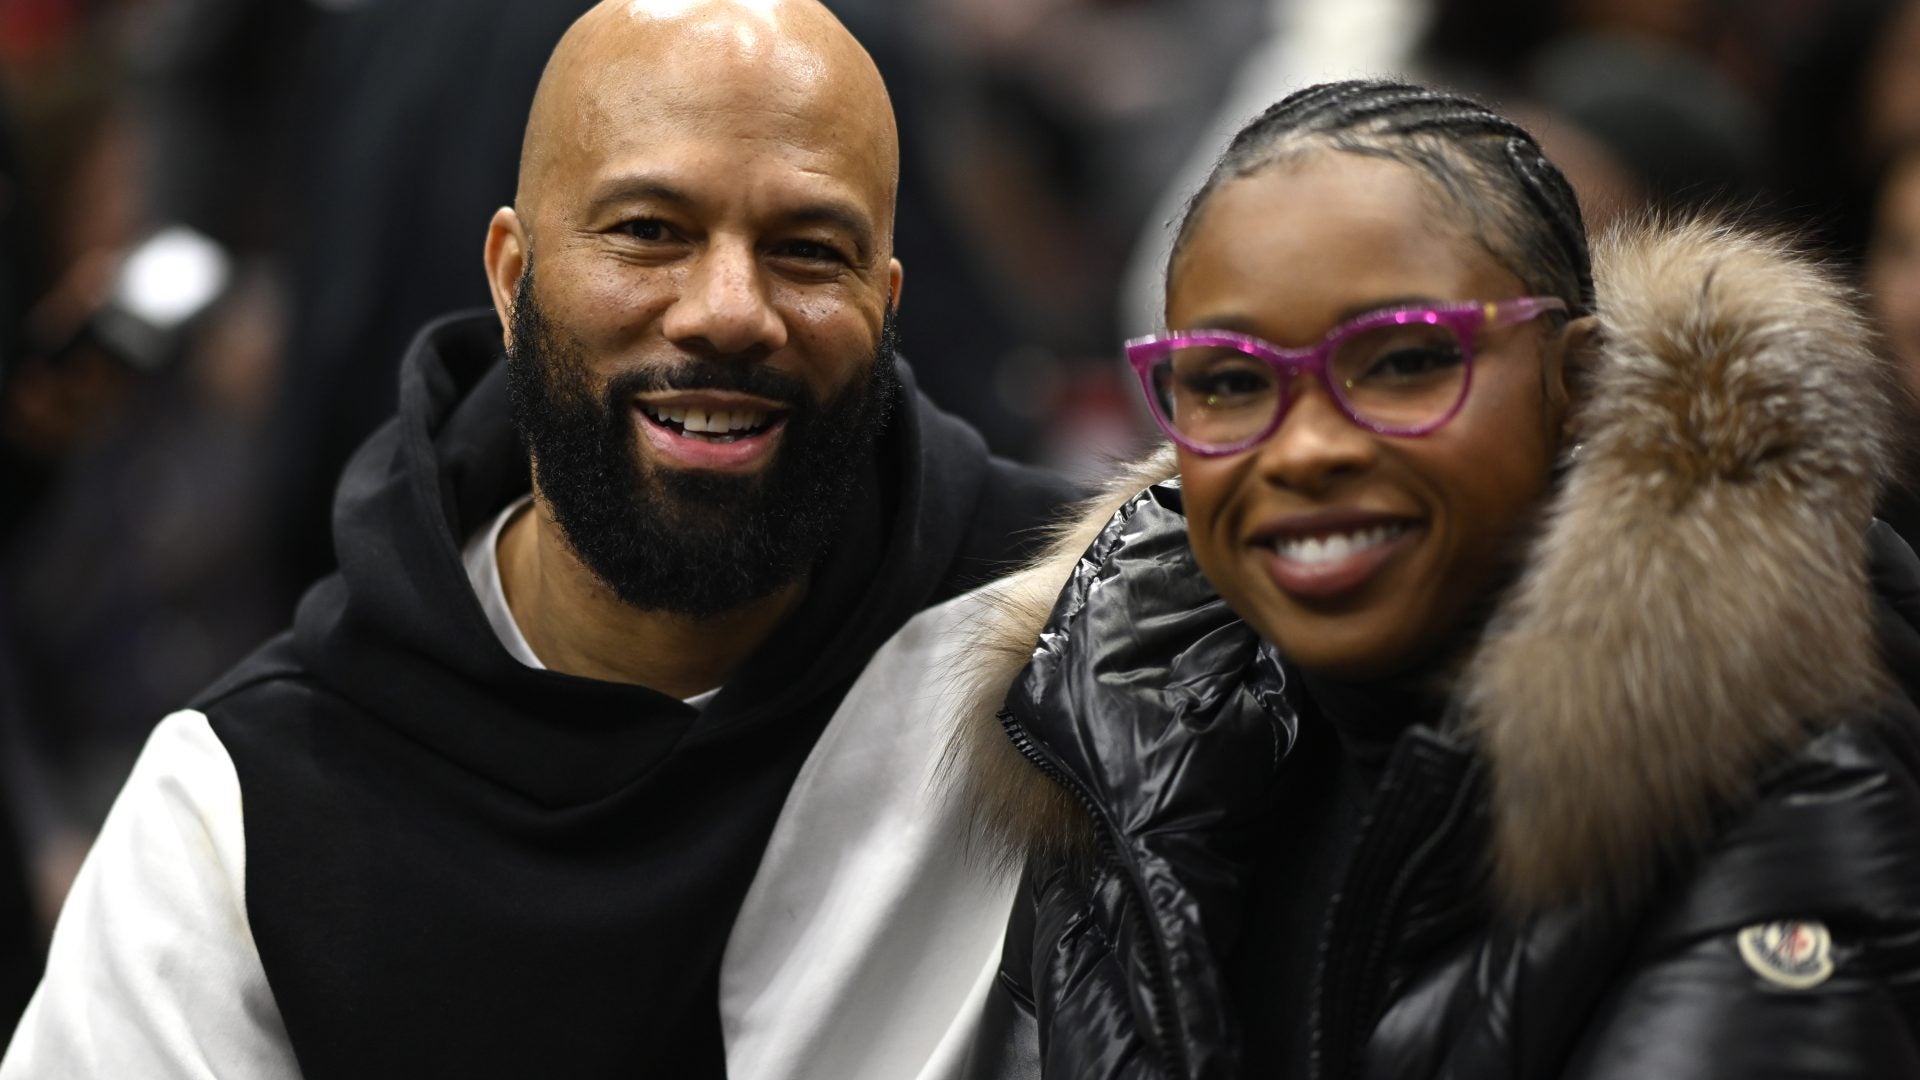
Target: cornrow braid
point(1523, 210)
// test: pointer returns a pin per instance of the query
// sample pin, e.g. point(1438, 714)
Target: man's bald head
point(700, 61)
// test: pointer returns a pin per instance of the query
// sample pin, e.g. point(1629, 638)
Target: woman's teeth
point(720, 424)
point(1320, 550)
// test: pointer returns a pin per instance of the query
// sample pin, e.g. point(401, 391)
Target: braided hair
point(1522, 209)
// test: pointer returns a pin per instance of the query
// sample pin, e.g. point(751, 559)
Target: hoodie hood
point(399, 631)
point(491, 851)
point(1695, 602)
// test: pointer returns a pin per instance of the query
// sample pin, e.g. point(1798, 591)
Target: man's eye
point(651, 230)
point(812, 251)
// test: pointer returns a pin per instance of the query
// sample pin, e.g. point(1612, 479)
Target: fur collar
point(1695, 601)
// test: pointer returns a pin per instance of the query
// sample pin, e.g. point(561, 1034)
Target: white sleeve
point(867, 943)
point(153, 972)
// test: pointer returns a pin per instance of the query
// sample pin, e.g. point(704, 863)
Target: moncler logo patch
point(1796, 954)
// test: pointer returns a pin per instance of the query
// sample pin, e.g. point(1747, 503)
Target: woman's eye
point(1219, 387)
point(1408, 363)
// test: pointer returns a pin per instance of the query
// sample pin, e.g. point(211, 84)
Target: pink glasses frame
point(1465, 319)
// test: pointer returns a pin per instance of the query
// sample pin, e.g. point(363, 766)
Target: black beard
point(692, 543)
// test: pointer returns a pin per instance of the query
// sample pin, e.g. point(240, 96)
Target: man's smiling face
point(708, 198)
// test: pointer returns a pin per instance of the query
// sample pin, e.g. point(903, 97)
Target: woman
point(1501, 689)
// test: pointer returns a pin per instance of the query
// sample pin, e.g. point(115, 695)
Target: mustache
point(755, 379)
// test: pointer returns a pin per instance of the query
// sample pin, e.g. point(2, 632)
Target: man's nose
point(723, 308)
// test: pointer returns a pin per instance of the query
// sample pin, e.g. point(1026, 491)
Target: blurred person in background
point(1845, 98)
point(1893, 259)
point(1892, 106)
point(1892, 280)
point(1639, 80)
point(131, 539)
point(1300, 42)
point(1645, 103)
point(1484, 44)
point(57, 391)
point(1058, 123)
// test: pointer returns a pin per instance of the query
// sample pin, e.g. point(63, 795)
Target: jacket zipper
point(1160, 981)
point(1379, 888)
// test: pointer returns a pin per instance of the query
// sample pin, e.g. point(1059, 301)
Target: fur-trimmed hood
point(1695, 601)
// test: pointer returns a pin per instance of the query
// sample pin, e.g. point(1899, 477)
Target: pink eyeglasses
point(1403, 372)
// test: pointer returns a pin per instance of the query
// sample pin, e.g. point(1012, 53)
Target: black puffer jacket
point(1669, 826)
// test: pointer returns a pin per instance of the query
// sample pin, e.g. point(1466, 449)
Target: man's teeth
point(710, 421)
point(1314, 550)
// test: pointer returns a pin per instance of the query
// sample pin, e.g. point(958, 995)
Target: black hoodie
point(461, 866)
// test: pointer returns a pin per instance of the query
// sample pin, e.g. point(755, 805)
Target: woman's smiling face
point(1358, 554)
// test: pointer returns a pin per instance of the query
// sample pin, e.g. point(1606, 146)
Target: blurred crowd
point(221, 221)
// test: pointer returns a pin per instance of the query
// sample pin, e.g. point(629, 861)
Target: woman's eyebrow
point(1242, 324)
point(1390, 303)
point(1238, 324)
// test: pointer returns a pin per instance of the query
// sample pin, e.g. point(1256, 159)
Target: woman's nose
point(1315, 443)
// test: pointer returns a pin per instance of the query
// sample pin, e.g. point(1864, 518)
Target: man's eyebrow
point(831, 212)
point(621, 189)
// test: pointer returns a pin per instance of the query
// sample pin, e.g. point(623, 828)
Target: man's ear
point(506, 259)
point(895, 273)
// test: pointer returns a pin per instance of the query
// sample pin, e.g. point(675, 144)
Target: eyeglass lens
point(1399, 377)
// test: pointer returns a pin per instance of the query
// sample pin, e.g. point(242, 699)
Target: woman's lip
point(1328, 580)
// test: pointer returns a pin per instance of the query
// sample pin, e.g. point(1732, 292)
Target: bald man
point(590, 761)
